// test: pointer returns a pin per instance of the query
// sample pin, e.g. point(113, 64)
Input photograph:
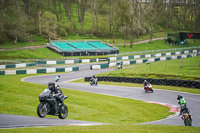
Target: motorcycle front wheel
point(64, 112)
point(42, 110)
point(185, 122)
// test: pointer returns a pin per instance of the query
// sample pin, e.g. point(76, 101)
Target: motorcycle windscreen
point(45, 93)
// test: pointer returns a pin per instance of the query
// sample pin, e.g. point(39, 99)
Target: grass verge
point(21, 98)
point(163, 69)
point(107, 129)
point(34, 40)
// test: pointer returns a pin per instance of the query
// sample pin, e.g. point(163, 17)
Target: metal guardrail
point(154, 51)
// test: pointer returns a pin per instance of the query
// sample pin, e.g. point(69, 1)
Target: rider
point(94, 79)
point(119, 65)
point(181, 100)
point(56, 92)
point(185, 110)
point(57, 78)
point(145, 83)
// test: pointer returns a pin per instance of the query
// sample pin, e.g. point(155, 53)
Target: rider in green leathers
point(181, 100)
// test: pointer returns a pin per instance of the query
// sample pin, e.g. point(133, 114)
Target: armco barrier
point(112, 64)
point(153, 55)
point(167, 82)
point(36, 71)
point(51, 62)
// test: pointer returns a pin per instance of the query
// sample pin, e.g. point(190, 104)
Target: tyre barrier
point(166, 82)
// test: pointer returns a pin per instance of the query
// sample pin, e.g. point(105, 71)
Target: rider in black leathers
point(94, 79)
point(56, 92)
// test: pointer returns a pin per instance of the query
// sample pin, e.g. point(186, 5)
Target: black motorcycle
point(92, 82)
point(50, 106)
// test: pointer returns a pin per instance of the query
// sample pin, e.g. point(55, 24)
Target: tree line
point(127, 19)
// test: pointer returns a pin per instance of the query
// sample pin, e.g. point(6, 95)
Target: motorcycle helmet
point(179, 97)
point(51, 86)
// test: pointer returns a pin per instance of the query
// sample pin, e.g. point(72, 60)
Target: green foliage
point(49, 25)
point(21, 18)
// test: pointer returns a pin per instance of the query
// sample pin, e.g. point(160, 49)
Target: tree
point(197, 16)
point(27, 7)
point(81, 13)
point(135, 24)
point(13, 21)
point(95, 16)
point(68, 10)
point(152, 12)
point(49, 25)
point(123, 14)
point(115, 17)
point(55, 9)
point(110, 15)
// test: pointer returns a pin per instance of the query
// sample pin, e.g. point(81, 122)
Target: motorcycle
point(92, 82)
point(119, 66)
point(148, 88)
point(186, 118)
point(49, 106)
point(57, 79)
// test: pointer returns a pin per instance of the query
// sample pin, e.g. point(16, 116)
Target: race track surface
point(159, 96)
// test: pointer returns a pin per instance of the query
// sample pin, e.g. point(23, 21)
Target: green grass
point(21, 98)
point(164, 69)
point(29, 54)
point(39, 53)
point(33, 41)
point(106, 129)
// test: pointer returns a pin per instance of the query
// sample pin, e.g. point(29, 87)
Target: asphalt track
point(167, 98)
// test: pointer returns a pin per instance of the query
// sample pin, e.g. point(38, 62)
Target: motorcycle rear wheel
point(42, 110)
point(64, 112)
point(189, 123)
